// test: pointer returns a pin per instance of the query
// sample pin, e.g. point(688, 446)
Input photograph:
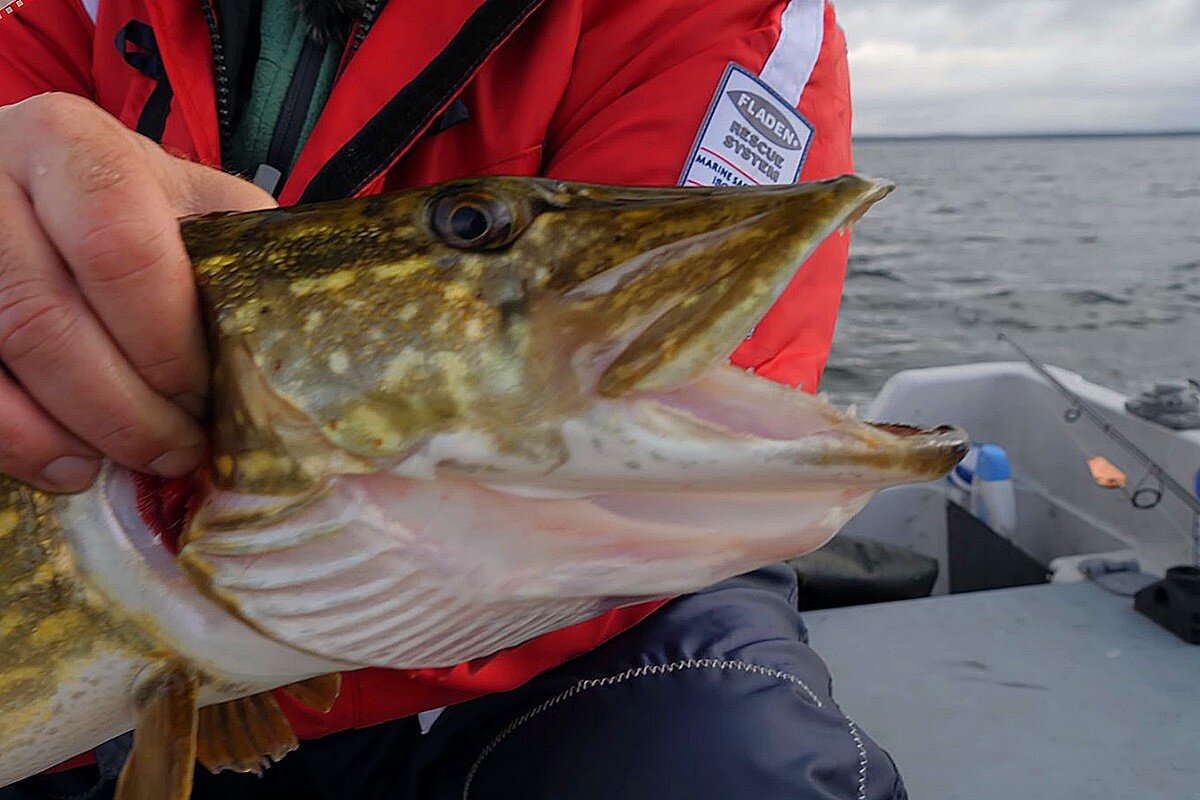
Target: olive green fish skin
point(351, 331)
point(52, 621)
point(72, 651)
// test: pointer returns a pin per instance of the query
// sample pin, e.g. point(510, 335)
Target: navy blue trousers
point(717, 695)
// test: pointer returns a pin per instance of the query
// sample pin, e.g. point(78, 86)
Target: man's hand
point(100, 340)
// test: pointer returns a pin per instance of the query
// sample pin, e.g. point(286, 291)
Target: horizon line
point(909, 137)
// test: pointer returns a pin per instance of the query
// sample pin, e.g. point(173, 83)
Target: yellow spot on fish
point(457, 291)
point(258, 463)
point(333, 282)
point(400, 269)
point(408, 311)
point(339, 362)
point(400, 368)
point(216, 263)
point(474, 329)
point(9, 621)
point(224, 464)
point(313, 321)
point(11, 677)
point(10, 521)
point(56, 627)
point(369, 428)
point(42, 576)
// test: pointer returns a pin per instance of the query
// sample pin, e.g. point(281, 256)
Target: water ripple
point(1040, 237)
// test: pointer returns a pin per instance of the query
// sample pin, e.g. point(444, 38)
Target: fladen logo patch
point(767, 119)
point(751, 136)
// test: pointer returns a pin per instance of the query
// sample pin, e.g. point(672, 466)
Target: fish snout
point(929, 452)
point(668, 282)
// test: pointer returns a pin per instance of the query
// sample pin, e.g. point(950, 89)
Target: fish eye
point(474, 221)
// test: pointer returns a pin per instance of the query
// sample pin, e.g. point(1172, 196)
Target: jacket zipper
point(296, 89)
point(220, 73)
point(288, 128)
point(363, 27)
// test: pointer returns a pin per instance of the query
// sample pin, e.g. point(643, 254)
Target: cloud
point(1002, 66)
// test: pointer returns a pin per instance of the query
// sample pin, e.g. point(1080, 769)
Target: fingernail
point(192, 403)
point(71, 473)
point(177, 463)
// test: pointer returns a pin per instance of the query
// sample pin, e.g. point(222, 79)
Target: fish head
point(476, 321)
point(516, 391)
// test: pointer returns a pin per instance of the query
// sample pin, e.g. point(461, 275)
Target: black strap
point(393, 129)
point(137, 45)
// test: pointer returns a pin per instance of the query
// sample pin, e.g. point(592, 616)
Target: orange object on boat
point(1106, 474)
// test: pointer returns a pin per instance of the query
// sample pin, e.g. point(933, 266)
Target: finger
point(63, 357)
point(197, 189)
point(113, 224)
point(37, 451)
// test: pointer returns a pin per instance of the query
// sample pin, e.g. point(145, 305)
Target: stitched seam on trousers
point(862, 758)
point(650, 670)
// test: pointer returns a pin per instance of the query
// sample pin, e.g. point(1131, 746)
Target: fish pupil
point(473, 221)
point(469, 223)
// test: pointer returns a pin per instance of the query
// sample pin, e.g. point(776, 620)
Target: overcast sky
point(1003, 66)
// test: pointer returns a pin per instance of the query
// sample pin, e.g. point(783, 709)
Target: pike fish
point(445, 421)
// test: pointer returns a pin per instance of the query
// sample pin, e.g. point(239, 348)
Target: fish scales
point(53, 623)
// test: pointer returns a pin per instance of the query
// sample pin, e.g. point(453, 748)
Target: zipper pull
point(267, 178)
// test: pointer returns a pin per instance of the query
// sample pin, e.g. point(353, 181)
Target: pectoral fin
point(319, 693)
point(163, 760)
point(245, 735)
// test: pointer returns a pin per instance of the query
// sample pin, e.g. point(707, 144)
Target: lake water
point(1086, 251)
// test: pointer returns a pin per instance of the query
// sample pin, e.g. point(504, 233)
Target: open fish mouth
point(659, 495)
point(739, 405)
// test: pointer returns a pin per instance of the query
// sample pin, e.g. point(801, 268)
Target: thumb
point(197, 189)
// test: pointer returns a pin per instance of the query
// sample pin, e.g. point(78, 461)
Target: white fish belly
point(92, 707)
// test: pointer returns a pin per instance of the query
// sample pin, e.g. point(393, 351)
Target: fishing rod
point(1081, 407)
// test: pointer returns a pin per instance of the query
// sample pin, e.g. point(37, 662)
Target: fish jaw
point(665, 316)
point(729, 431)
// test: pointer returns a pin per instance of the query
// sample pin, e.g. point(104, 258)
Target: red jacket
point(610, 91)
